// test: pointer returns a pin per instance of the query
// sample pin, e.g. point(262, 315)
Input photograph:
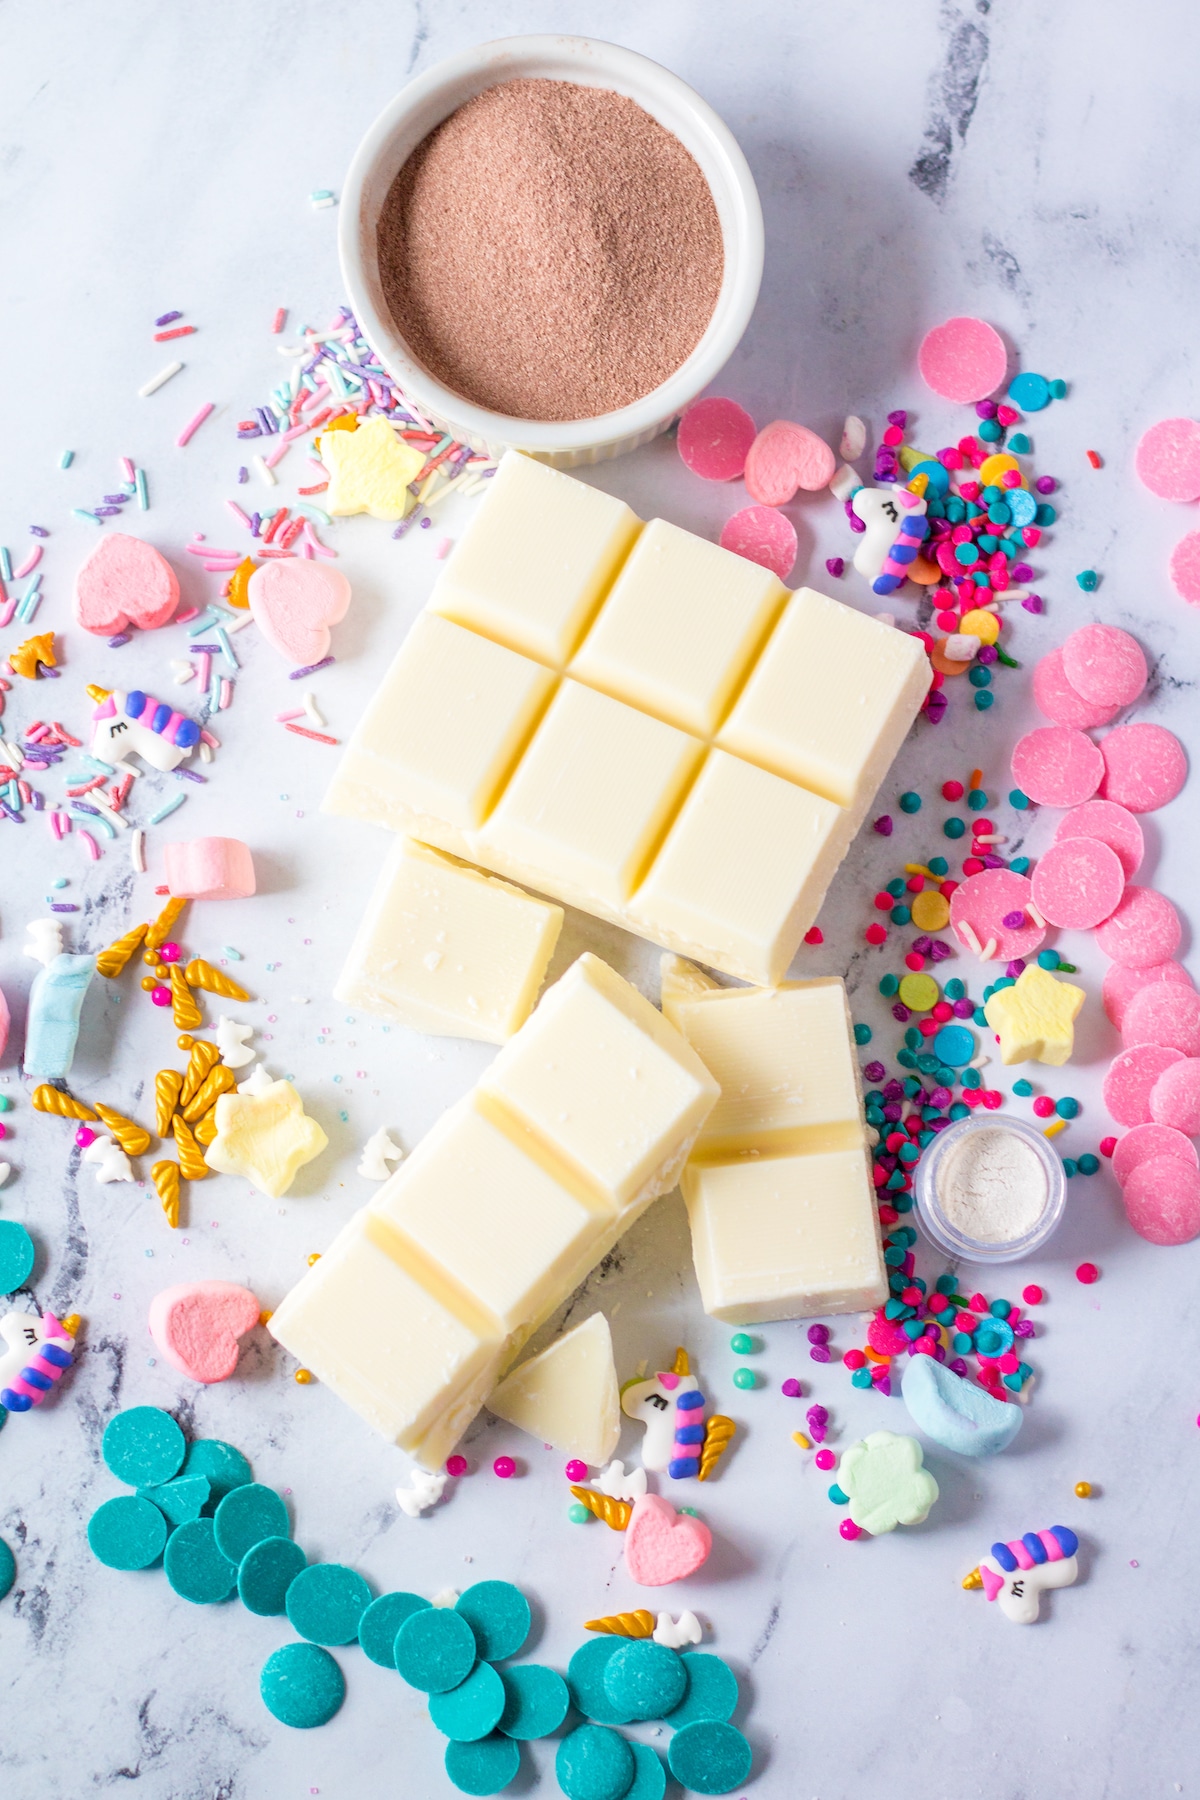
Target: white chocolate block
point(743, 870)
point(783, 1058)
point(568, 1395)
point(602, 1078)
point(830, 701)
point(587, 1115)
point(446, 949)
point(392, 1339)
point(476, 746)
point(589, 804)
point(785, 1237)
point(778, 1188)
point(539, 557)
point(443, 733)
point(495, 1219)
point(682, 625)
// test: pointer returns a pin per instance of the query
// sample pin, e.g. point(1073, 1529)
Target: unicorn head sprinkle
point(1015, 1573)
point(38, 1354)
point(123, 724)
point(896, 524)
point(678, 1440)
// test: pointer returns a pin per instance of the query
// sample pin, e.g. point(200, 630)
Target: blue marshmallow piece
point(55, 1003)
point(957, 1414)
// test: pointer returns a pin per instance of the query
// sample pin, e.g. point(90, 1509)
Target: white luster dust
point(992, 1186)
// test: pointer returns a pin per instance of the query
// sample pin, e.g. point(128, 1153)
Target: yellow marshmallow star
point(369, 470)
point(265, 1135)
point(1034, 1019)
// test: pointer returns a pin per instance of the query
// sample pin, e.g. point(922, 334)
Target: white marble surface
point(157, 157)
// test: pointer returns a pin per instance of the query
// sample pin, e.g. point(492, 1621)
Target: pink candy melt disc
point(763, 536)
point(963, 360)
point(1144, 1143)
point(1077, 883)
point(1184, 568)
point(1175, 1096)
point(1057, 766)
point(1162, 1200)
point(1144, 929)
point(1121, 984)
point(1105, 665)
point(785, 457)
point(979, 906)
point(1167, 459)
point(1054, 696)
point(1144, 767)
point(1164, 1013)
point(714, 436)
point(1131, 1078)
point(1112, 825)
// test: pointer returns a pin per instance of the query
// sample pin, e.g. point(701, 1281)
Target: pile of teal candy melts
point(217, 1532)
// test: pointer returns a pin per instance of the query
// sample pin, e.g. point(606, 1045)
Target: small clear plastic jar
point(948, 1236)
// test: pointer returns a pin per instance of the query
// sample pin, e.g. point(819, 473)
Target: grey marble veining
point(1035, 162)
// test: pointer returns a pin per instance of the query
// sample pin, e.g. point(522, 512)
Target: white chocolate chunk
point(445, 949)
point(472, 1201)
point(743, 870)
point(782, 1058)
point(680, 981)
point(785, 1237)
point(606, 1082)
point(830, 700)
point(443, 733)
point(586, 1116)
point(592, 798)
point(538, 559)
point(680, 628)
point(778, 1188)
point(400, 1347)
point(567, 1396)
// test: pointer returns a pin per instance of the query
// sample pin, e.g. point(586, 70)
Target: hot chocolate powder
point(550, 251)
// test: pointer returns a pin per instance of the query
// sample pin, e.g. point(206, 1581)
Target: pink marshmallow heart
point(295, 603)
point(197, 1325)
point(124, 582)
point(662, 1545)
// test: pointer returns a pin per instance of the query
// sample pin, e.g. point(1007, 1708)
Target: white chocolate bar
point(568, 1395)
point(778, 1187)
point(635, 721)
point(584, 1118)
point(445, 949)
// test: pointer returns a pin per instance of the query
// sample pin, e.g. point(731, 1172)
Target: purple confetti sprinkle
point(1015, 921)
point(243, 475)
point(958, 1366)
point(167, 318)
point(116, 499)
point(63, 906)
point(16, 817)
point(1021, 572)
point(963, 1008)
point(1016, 967)
point(988, 653)
point(1032, 603)
point(901, 1013)
point(122, 637)
point(1045, 484)
point(1024, 1328)
point(836, 565)
point(818, 1334)
point(191, 775)
point(923, 945)
point(897, 418)
point(884, 825)
point(940, 951)
point(874, 1071)
point(38, 531)
point(106, 512)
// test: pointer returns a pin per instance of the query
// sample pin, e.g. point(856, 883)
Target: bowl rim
point(650, 411)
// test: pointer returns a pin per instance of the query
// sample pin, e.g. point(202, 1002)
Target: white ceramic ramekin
point(432, 97)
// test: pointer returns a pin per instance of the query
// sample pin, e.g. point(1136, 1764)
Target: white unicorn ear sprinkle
point(377, 1153)
point(426, 1491)
point(233, 1042)
point(45, 940)
point(675, 1633)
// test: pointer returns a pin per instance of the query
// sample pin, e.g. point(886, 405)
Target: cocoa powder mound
point(550, 251)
